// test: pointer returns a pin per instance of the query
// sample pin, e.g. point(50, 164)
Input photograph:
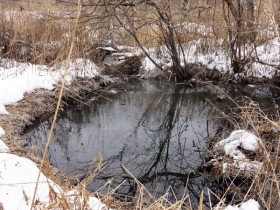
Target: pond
point(158, 131)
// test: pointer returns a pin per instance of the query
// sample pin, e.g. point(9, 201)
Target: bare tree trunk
point(170, 37)
point(242, 32)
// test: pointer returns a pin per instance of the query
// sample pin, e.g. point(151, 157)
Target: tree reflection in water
point(159, 132)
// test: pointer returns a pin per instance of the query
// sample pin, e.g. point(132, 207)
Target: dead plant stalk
point(59, 100)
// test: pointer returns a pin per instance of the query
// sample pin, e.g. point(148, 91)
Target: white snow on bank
point(245, 140)
point(268, 53)
point(245, 164)
point(195, 52)
point(214, 54)
point(78, 68)
point(18, 179)
point(210, 53)
point(2, 132)
point(19, 78)
point(13, 89)
point(198, 28)
point(248, 205)
point(3, 146)
point(149, 69)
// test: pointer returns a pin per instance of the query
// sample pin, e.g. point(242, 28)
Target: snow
point(245, 164)
point(78, 68)
point(13, 89)
point(113, 92)
point(199, 28)
point(268, 53)
point(16, 79)
point(109, 49)
point(214, 53)
point(3, 147)
point(17, 180)
point(2, 132)
point(14, 15)
point(248, 205)
point(125, 55)
point(95, 204)
point(215, 57)
point(245, 140)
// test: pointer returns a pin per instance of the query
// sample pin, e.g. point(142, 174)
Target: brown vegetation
point(40, 32)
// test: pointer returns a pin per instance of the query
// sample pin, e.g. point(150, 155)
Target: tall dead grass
point(40, 32)
point(263, 185)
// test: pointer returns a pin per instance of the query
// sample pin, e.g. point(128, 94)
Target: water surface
point(160, 132)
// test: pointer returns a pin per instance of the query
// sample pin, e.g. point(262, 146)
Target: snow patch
point(214, 54)
point(243, 165)
point(4, 148)
point(248, 205)
point(2, 132)
point(95, 204)
point(13, 89)
point(78, 68)
point(19, 78)
point(195, 52)
point(245, 140)
point(200, 28)
point(18, 179)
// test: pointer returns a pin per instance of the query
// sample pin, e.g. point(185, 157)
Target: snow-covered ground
point(248, 205)
point(18, 175)
point(230, 145)
point(19, 78)
point(213, 54)
point(18, 180)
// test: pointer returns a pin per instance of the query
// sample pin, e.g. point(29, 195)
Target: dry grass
point(261, 185)
point(23, 113)
point(40, 33)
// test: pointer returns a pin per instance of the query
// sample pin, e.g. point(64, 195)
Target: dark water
point(159, 131)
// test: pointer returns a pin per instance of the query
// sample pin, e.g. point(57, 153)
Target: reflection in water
point(159, 132)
